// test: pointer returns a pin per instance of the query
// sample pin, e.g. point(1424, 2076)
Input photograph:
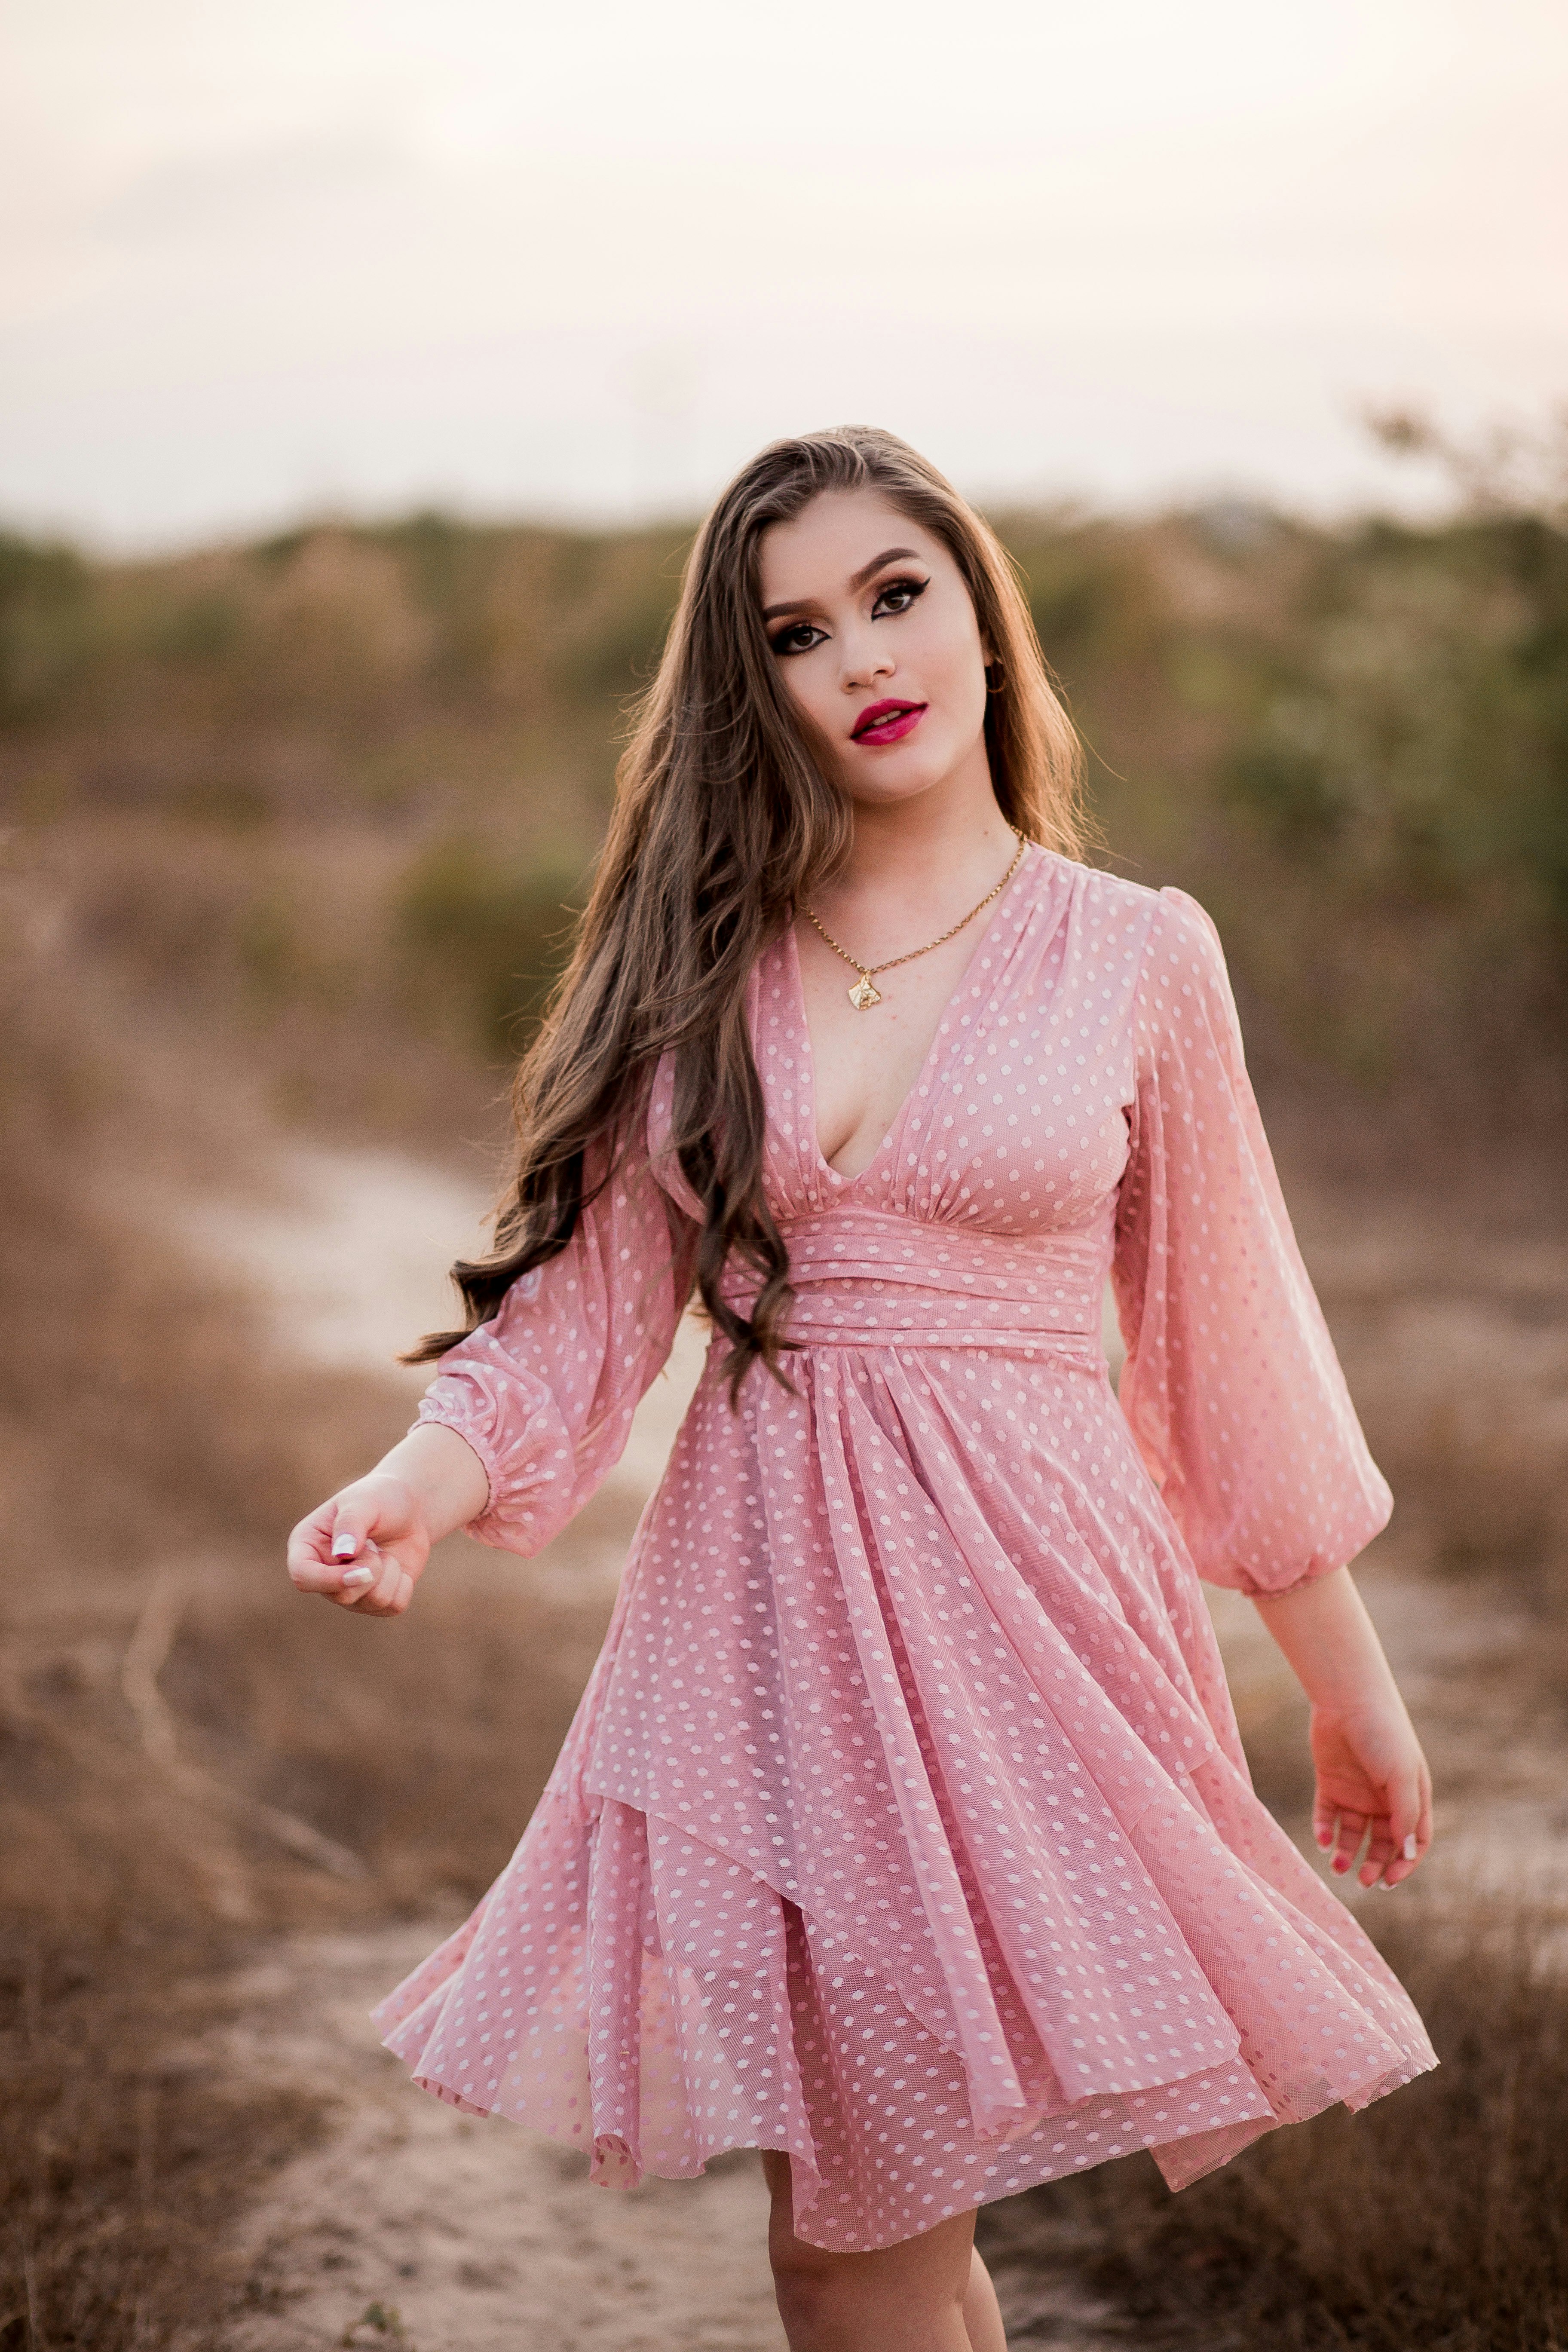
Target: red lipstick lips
point(886, 722)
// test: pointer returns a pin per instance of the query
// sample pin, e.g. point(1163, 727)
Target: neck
point(929, 850)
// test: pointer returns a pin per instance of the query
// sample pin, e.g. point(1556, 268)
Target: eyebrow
point(866, 572)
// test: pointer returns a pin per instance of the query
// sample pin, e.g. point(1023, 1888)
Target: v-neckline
point(1027, 865)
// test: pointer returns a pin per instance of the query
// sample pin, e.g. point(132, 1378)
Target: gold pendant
point(862, 997)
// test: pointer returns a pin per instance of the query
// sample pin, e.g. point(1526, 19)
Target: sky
point(315, 255)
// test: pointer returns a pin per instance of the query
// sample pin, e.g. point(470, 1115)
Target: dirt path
point(412, 2225)
point(479, 2237)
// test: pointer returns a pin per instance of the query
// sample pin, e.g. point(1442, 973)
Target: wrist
point(445, 1483)
point(1377, 1702)
point(1330, 1644)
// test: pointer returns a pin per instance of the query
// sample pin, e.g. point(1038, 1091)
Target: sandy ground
point(479, 2236)
point(412, 2225)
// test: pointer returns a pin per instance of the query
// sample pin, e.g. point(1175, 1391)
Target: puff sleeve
point(1232, 1388)
point(545, 1392)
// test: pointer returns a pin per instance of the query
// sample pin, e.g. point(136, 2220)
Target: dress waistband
point(869, 1279)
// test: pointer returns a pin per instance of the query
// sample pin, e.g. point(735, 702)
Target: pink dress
point(904, 1824)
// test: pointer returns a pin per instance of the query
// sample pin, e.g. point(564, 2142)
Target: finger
point(310, 1563)
point(351, 1527)
point(1380, 1853)
point(1409, 1825)
point(380, 1597)
point(1323, 1820)
point(1349, 1831)
point(389, 1600)
point(351, 1552)
point(356, 1586)
point(389, 1596)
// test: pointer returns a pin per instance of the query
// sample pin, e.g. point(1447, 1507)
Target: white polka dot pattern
point(904, 1825)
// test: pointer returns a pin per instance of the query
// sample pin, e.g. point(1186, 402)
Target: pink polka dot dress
point(904, 1825)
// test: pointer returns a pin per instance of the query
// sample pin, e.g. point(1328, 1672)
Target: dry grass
point(120, 2155)
point(149, 1432)
point(1436, 2221)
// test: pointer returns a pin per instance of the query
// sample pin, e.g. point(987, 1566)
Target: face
point(877, 643)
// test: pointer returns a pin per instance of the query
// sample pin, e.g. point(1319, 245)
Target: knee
point(806, 2283)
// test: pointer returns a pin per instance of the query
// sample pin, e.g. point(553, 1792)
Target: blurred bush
point(496, 934)
point(45, 601)
point(1352, 744)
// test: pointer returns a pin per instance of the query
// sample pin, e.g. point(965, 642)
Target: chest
point(996, 1091)
point(866, 1060)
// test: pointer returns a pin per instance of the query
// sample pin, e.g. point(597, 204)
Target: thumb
point(1407, 1810)
point(349, 1541)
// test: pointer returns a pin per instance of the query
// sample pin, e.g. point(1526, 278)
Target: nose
point(865, 659)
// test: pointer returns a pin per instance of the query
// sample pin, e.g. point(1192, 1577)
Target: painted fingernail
point(345, 1546)
point(358, 1576)
point(1410, 1847)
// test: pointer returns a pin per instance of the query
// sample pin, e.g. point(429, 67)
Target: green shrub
point(492, 933)
point(44, 601)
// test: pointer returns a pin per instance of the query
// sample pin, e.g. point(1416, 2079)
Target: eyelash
point(911, 588)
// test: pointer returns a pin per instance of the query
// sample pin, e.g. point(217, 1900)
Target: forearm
point(1330, 1644)
point(442, 1473)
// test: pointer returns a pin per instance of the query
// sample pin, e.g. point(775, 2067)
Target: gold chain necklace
point(863, 995)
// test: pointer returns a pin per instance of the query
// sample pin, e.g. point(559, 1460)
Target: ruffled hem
point(729, 2018)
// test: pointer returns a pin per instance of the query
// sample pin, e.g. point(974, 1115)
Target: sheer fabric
point(904, 1825)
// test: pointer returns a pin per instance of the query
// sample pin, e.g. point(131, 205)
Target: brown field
point(290, 834)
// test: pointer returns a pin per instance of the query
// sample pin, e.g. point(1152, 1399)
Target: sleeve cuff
point(433, 1414)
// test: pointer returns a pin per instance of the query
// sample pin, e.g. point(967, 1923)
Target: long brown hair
point(722, 821)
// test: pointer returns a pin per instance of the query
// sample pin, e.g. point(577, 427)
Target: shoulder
point(1163, 923)
point(1183, 999)
point(1167, 948)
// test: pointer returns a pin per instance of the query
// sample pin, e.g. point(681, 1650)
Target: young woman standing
point(903, 1832)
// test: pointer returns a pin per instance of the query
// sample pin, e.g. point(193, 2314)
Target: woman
point(903, 1832)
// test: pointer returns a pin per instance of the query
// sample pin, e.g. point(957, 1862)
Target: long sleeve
point(1232, 1388)
point(545, 1392)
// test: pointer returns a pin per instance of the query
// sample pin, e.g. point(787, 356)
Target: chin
point(895, 779)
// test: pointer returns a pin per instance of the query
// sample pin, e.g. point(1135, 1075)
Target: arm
point(1232, 1388)
point(1235, 1396)
point(1370, 1773)
point(525, 1416)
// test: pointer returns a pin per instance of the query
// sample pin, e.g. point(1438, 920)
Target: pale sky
point(309, 253)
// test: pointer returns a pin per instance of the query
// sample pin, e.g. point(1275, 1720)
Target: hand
point(1372, 1778)
point(364, 1548)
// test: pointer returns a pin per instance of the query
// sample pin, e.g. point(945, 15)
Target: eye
point(798, 638)
point(903, 593)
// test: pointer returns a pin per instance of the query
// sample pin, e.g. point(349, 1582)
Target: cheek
point(961, 668)
point(811, 694)
point(810, 690)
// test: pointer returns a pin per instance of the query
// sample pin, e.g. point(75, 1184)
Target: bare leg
point(982, 2312)
point(931, 2293)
